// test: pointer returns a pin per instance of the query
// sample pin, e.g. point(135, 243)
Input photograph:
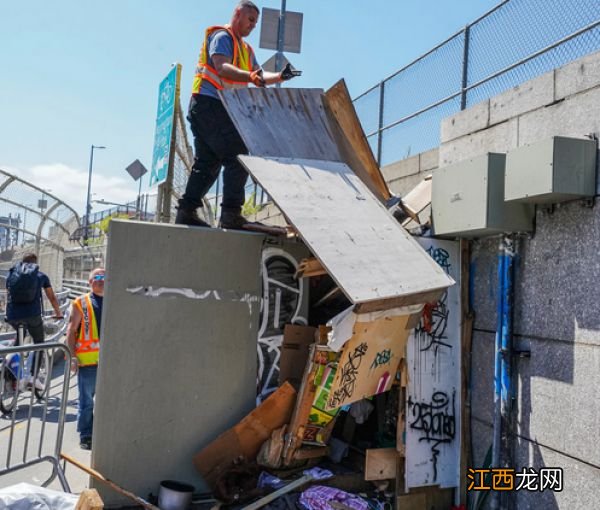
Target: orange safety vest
point(242, 58)
point(88, 342)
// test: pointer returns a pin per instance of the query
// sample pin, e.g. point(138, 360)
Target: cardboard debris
point(381, 464)
point(369, 360)
point(294, 352)
point(246, 438)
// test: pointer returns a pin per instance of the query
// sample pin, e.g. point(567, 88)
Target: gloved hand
point(288, 73)
point(256, 77)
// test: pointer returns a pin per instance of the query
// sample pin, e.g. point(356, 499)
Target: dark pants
point(35, 327)
point(216, 143)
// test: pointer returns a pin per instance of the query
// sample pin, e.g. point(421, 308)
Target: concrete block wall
point(556, 310)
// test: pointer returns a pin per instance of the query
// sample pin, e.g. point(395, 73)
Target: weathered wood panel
point(369, 255)
point(354, 147)
point(282, 122)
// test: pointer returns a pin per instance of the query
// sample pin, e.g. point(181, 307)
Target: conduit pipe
point(503, 391)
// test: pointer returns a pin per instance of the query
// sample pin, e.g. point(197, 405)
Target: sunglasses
point(99, 277)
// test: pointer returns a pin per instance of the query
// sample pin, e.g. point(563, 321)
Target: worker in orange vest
point(226, 61)
point(83, 340)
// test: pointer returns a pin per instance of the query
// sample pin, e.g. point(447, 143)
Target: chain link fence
point(514, 42)
point(33, 221)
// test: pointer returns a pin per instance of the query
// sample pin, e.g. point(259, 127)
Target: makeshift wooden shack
point(308, 151)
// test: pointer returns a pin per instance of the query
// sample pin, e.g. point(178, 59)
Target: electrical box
point(467, 200)
point(551, 171)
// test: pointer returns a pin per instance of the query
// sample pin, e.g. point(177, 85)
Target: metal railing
point(515, 41)
point(30, 438)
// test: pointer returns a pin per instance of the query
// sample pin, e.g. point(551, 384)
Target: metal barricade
point(33, 405)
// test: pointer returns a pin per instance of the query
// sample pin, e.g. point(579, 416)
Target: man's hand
point(288, 73)
point(256, 77)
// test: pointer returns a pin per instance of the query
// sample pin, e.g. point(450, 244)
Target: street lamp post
point(88, 206)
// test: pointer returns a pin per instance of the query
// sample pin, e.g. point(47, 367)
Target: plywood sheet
point(354, 146)
point(381, 463)
point(369, 255)
point(246, 438)
point(282, 122)
point(369, 360)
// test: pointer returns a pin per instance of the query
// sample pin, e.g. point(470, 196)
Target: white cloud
point(70, 185)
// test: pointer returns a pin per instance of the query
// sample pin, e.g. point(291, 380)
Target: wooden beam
point(310, 267)
point(89, 499)
point(381, 464)
point(431, 296)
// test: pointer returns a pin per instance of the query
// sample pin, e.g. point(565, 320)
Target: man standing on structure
point(83, 340)
point(226, 61)
point(24, 302)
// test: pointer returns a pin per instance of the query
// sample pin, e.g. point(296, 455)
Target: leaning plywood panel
point(282, 122)
point(369, 255)
point(353, 143)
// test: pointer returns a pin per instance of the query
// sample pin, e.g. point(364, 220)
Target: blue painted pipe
point(503, 390)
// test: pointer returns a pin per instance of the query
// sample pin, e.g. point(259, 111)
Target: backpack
point(23, 283)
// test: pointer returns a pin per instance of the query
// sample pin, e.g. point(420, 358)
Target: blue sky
point(77, 72)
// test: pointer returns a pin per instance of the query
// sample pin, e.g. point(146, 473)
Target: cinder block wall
point(557, 310)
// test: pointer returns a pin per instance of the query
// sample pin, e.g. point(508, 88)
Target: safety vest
point(88, 341)
point(242, 58)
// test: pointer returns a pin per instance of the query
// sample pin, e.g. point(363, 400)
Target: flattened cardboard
point(369, 360)
point(294, 353)
point(246, 438)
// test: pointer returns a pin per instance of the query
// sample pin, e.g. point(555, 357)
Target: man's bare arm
point(73, 328)
point(53, 301)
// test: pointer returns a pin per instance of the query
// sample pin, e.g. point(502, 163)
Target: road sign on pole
point(165, 120)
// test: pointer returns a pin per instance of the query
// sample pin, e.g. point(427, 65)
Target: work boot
point(189, 217)
point(232, 219)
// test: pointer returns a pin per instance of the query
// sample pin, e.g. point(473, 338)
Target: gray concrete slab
point(177, 368)
point(465, 122)
point(408, 166)
point(499, 138)
point(578, 76)
point(531, 95)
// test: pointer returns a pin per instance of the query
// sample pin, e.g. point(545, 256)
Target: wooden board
point(246, 438)
point(381, 464)
point(364, 249)
point(294, 352)
point(89, 499)
point(283, 122)
point(369, 360)
point(354, 146)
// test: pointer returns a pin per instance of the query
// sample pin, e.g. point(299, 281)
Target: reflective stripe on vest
point(242, 58)
point(88, 342)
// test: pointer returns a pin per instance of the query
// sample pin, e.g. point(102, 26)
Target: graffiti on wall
point(281, 305)
point(432, 413)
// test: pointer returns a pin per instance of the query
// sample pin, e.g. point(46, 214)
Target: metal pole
point(280, 40)
point(380, 132)
point(465, 69)
point(139, 200)
point(88, 205)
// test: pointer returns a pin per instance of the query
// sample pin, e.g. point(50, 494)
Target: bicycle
point(15, 370)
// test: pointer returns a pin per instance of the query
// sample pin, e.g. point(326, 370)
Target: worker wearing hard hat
point(226, 61)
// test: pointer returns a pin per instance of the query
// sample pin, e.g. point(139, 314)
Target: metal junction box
point(467, 200)
point(551, 171)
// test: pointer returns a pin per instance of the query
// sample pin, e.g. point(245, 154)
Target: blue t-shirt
point(17, 311)
point(97, 306)
point(220, 43)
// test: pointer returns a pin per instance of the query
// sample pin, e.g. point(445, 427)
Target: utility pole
point(280, 41)
point(88, 206)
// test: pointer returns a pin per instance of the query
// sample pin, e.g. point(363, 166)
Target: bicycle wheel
point(41, 385)
point(8, 393)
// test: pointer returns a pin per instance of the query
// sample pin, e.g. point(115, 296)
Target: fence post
point(380, 132)
point(465, 69)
